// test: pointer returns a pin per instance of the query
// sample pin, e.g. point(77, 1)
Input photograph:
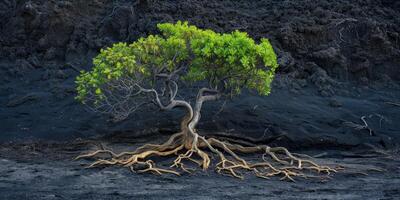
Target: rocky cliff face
point(320, 44)
point(351, 40)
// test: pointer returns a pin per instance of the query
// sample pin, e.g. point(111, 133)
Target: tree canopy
point(224, 62)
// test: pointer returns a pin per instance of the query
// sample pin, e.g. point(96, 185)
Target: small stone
point(50, 54)
point(326, 92)
point(335, 103)
point(302, 82)
point(60, 74)
point(19, 100)
point(364, 80)
point(33, 60)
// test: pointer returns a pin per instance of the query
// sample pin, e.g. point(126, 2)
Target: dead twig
point(393, 103)
point(359, 127)
point(365, 125)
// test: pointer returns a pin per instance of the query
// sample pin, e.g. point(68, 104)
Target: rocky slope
point(349, 39)
point(339, 59)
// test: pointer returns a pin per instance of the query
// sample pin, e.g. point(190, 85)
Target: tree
point(127, 78)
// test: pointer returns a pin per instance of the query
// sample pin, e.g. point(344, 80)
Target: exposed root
point(145, 147)
point(275, 161)
point(286, 164)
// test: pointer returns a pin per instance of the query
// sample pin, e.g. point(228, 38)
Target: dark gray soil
point(46, 171)
point(339, 64)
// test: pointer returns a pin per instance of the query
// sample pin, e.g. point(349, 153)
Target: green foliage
point(227, 62)
point(110, 64)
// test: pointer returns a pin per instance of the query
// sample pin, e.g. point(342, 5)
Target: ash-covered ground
point(47, 171)
point(339, 64)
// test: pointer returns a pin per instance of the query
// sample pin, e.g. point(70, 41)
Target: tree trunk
point(193, 140)
point(192, 117)
point(188, 116)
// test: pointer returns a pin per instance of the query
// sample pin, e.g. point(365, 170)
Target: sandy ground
point(47, 171)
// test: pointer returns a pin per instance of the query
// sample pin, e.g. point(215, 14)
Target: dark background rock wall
point(45, 43)
point(349, 39)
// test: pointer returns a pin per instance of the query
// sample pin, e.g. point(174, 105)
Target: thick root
point(275, 161)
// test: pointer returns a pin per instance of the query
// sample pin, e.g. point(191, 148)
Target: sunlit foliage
point(227, 62)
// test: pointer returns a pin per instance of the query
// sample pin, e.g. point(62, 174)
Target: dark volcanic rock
point(18, 100)
point(349, 39)
point(346, 50)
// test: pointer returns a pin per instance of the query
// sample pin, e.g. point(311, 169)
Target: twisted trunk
point(188, 116)
point(192, 136)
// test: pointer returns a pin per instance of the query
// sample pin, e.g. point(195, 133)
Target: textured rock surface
point(349, 39)
point(346, 50)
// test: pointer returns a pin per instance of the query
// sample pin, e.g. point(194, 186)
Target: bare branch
point(359, 126)
point(393, 103)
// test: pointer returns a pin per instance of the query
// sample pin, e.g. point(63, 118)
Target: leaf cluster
point(227, 62)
